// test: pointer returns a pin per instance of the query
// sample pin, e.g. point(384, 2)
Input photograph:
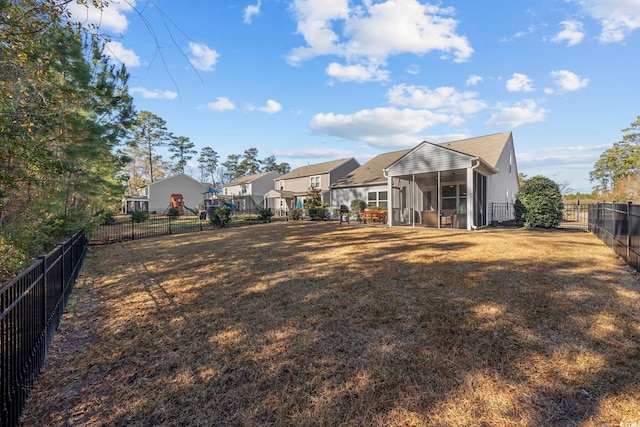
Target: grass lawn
point(320, 324)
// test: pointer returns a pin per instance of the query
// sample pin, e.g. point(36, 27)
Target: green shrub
point(317, 214)
point(173, 213)
point(107, 218)
point(296, 214)
point(139, 216)
point(12, 258)
point(357, 206)
point(539, 203)
point(265, 214)
point(221, 217)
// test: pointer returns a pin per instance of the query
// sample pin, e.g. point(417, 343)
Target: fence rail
point(31, 306)
point(126, 228)
point(618, 226)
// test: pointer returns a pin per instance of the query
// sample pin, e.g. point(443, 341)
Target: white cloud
point(271, 107)
point(518, 114)
point(251, 11)
point(117, 51)
point(221, 104)
point(442, 99)
point(375, 30)
point(413, 69)
point(530, 30)
point(568, 81)
point(153, 94)
point(359, 73)
point(203, 58)
point(519, 83)
point(573, 33)
point(109, 18)
point(473, 80)
point(377, 124)
point(617, 17)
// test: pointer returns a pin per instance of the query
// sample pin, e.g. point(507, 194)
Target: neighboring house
point(247, 193)
point(441, 185)
point(366, 183)
point(291, 188)
point(156, 197)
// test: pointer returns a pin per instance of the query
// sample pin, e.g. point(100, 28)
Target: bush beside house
point(539, 203)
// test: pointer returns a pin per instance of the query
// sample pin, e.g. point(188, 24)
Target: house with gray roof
point(439, 185)
point(290, 190)
point(247, 192)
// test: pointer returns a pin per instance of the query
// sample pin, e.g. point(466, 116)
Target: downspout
point(472, 210)
point(413, 201)
point(439, 194)
point(389, 198)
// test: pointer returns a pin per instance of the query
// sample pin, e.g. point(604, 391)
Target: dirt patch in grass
point(320, 324)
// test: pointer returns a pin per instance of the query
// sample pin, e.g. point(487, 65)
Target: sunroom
point(436, 186)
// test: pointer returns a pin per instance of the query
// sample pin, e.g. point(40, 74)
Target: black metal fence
point(501, 212)
point(618, 226)
point(125, 228)
point(574, 216)
point(31, 306)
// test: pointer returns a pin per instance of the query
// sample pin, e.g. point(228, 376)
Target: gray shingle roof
point(488, 147)
point(316, 169)
point(247, 179)
point(371, 172)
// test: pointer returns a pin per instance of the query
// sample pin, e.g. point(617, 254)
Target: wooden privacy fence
point(31, 306)
point(618, 226)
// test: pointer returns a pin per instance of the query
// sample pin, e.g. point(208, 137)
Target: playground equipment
point(177, 201)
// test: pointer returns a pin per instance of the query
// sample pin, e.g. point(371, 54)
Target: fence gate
point(575, 217)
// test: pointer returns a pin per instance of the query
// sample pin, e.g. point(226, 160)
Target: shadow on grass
point(318, 324)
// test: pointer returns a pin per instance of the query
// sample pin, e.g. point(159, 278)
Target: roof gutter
point(477, 159)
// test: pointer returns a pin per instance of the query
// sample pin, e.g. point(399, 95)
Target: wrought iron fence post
point(628, 231)
point(133, 233)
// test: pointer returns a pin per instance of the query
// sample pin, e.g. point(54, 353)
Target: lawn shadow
point(315, 324)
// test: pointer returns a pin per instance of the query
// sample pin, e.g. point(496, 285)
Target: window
point(281, 185)
point(377, 199)
point(315, 181)
point(454, 198)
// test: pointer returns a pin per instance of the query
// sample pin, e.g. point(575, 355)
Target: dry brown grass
point(317, 324)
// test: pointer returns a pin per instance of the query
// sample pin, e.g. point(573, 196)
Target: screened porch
point(445, 199)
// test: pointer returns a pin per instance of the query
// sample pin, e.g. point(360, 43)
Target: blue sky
point(316, 80)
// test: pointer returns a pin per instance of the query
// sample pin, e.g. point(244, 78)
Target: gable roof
point(488, 147)
point(173, 177)
point(316, 169)
point(371, 172)
point(248, 179)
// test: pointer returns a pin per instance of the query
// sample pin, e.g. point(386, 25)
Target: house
point(366, 183)
point(157, 196)
point(291, 188)
point(440, 185)
point(247, 193)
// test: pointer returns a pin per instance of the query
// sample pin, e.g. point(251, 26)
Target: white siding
point(160, 192)
point(429, 158)
point(505, 181)
point(344, 196)
point(503, 186)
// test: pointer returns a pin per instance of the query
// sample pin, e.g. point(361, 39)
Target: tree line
point(70, 138)
point(146, 165)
